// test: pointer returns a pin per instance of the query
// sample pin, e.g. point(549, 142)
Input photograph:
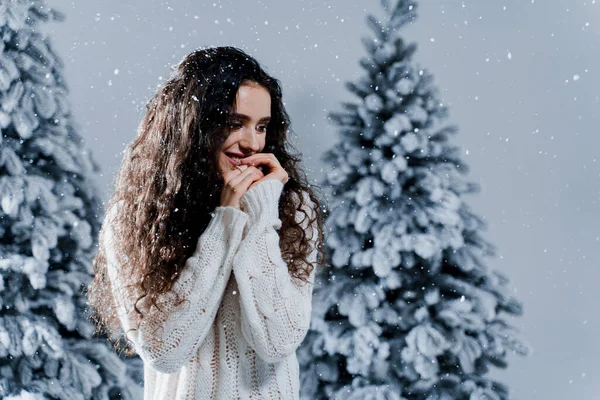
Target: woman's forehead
point(253, 100)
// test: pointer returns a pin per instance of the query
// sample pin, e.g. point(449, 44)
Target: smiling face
point(247, 126)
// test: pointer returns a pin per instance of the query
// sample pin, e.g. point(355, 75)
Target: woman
point(207, 256)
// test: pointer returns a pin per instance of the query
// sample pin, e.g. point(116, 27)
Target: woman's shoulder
point(307, 202)
point(305, 199)
point(306, 207)
point(110, 216)
point(112, 211)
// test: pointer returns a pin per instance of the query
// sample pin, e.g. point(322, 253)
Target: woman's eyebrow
point(246, 118)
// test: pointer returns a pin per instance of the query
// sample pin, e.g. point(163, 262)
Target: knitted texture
point(236, 335)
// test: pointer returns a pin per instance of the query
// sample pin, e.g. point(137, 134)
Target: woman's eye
point(262, 128)
point(234, 125)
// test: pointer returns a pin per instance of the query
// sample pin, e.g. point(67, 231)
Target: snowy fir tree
point(405, 307)
point(50, 215)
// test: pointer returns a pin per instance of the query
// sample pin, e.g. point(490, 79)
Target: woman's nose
point(249, 139)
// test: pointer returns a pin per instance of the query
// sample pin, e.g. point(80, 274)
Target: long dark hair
point(168, 182)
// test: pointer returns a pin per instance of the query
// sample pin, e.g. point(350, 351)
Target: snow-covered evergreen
point(50, 215)
point(406, 307)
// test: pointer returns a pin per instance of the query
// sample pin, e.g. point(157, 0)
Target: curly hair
point(169, 184)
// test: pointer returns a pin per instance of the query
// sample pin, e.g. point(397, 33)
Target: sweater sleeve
point(169, 335)
point(275, 306)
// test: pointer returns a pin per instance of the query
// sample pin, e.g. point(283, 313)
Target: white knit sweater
point(236, 336)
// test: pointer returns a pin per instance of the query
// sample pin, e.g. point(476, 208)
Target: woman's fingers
point(237, 183)
point(262, 158)
point(276, 171)
point(234, 173)
point(244, 171)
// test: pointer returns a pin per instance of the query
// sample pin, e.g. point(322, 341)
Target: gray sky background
point(521, 80)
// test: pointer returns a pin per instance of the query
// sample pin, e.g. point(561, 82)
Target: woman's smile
point(232, 161)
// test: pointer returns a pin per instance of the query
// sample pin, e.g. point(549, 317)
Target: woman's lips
point(233, 162)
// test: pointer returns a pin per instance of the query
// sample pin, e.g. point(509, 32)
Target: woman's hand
point(276, 171)
point(237, 182)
